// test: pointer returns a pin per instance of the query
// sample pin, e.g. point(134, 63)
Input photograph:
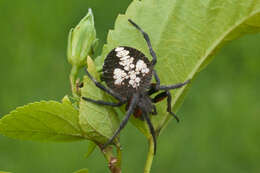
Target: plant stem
point(119, 156)
point(73, 77)
point(150, 156)
point(114, 163)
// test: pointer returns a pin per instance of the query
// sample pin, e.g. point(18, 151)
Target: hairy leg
point(147, 39)
point(151, 128)
point(159, 97)
point(125, 120)
point(169, 106)
point(107, 90)
point(175, 86)
point(101, 102)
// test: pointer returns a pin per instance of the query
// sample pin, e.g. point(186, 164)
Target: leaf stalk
point(150, 156)
point(73, 77)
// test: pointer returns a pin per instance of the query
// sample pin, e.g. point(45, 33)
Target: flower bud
point(81, 41)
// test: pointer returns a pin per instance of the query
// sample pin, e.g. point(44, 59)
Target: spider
point(128, 73)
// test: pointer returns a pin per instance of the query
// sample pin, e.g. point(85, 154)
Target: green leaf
point(98, 122)
point(91, 148)
point(43, 121)
point(84, 170)
point(185, 34)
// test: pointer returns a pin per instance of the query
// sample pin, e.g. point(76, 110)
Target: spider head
point(144, 104)
point(126, 71)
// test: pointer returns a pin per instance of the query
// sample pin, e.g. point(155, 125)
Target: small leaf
point(185, 34)
point(84, 170)
point(91, 148)
point(43, 121)
point(98, 122)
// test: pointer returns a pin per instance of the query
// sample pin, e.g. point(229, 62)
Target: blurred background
point(219, 129)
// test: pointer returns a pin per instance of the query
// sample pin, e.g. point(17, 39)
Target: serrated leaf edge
point(80, 135)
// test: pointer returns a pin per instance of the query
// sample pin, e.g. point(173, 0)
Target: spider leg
point(157, 79)
point(152, 89)
point(162, 96)
point(175, 86)
point(99, 85)
point(151, 128)
point(159, 97)
point(101, 102)
point(154, 86)
point(169, 106)
point(125, 120)
point(147, 39)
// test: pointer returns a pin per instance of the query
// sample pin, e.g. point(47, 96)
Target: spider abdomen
point(127, 70)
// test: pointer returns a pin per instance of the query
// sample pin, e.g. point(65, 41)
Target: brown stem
point(114, 163)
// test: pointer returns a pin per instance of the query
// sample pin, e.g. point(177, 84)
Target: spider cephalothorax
point(128, 73)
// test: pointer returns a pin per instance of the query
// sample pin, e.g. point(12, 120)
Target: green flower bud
point(81, 41)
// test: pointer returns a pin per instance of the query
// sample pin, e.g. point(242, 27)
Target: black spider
point(128, 73)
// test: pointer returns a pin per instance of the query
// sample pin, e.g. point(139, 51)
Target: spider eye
point(126, 70)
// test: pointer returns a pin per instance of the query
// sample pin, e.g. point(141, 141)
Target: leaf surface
point(43, 121)
point(91, 148)
point(185, 35)
point(97, 121)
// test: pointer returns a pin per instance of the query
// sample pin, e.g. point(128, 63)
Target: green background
point(219, 129)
